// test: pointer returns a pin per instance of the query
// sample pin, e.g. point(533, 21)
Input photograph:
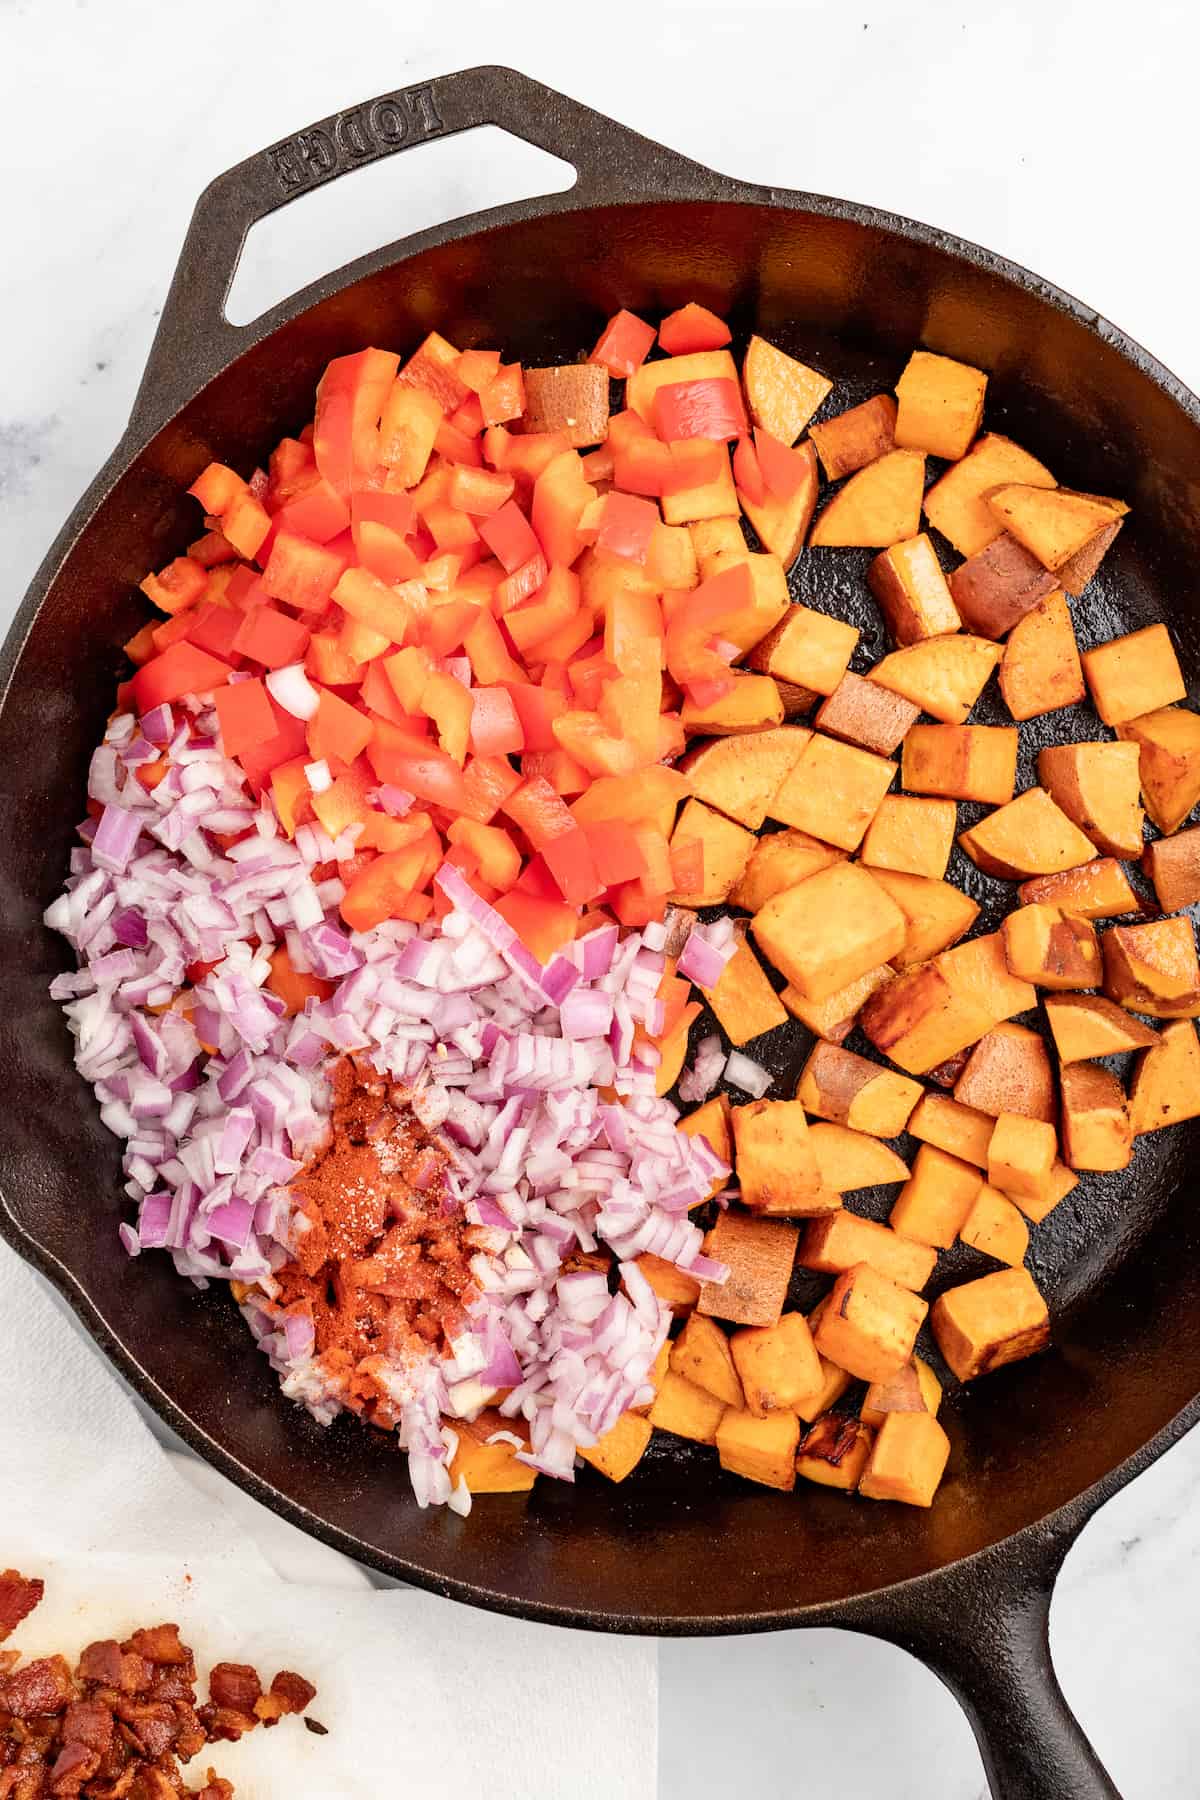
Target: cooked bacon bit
point(137, 1719)
point(316, 1727)
point(18, 1598)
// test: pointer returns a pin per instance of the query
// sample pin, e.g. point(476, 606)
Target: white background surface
point(1060, 134)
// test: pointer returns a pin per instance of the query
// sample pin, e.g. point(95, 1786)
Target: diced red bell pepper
point(561, 496)
point(433, 367)
point(468, 419)
point(449, 705)
point(475, 368)
point(317, 511)
point(543, 926)
point(216, 486)
point(379, 891)
point(539, 812)
point(212, 550)
point(615, 852)
point(350, 398)
point(215, 629)
point(449, 528)
point(445, 627)
point(716, 602)
point(246, 719)
point(525, 456)
point(270, 637)
point(497, 857)
point(552, 606)
point(407, 433)
point(747, 472)
point(246, 523)
point(491, 663)
point(141, 646)
point(384, 608)
point(696, 463)
point(337, 731)
point(495, 727)
point(328, 663)
point(626, 526)
point(692, 328)
point(624, 344)
point(687, 866)
point(408, 671)
point(413, 763)
point(361, 643)
point(561, 645)
point(301, 573)
point(455, 446)
point(509, 536)
point(244, 588)
point(479, 491)
point(569, 860)
point(521, 585)
point(385, 553)
point(784, 470)
point(289, 741)
point(657, 856)
point(290, 467)
point(583, 736)
point(180, 585)
point(632, 906)
point(173, 630)
point(503, 399)
point(566, 776)
point(536, 709)
point(642, 464)
point(708, 408)
point(178, 671)
point(487, 783)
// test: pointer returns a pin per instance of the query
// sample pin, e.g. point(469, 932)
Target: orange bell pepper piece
point(387, 610)
point(178, 586)
point(584, 736)
point(543, 926)
point(337, 731)
point(292, 987)
point(487, 783)
point(561, 495)
point(408, 429)
point(292, 795)
point(692, 328)
point(497, 857)
point(449, 705)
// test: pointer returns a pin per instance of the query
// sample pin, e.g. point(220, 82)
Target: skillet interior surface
point(678, 1546)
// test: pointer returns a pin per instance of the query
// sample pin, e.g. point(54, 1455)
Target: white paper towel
point(420, 1695)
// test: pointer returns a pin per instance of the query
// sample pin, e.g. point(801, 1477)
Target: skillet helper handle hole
point(195, 337)
point(983, 1628)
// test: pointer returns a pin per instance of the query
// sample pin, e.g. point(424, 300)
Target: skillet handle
point(194, 337)
point(983, 1629)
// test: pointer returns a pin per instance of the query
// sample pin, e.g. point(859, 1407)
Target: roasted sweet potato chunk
point(1008, 1072)
point(1097, 786)
point(751, 705)
point(962, 762)
point(1154, 968)
point(986, 1323)
point(1052, 948)
point(776, 1162)
point(685, 1409)
point(726, 849)
point(740, 776)
point(936, 914)
point(907, 1460)
point(806, 648)
point(912, 834)
point(782, 860)
point(998, 587)
point(674, 1287)
point(782, 525)
point(944, 676)
point(833, 1452)
point(1021, 1156)
point(701, 1354)
point(849, 1159)
point(849, 1090)
point(843, 1240)
point(830, 930)
point(852, 439)
point(762, 1450)
point(1098, 890)
point(957, 504)
point(962, 1131)
point(1135, 674)
point(701, 365)
point(618, 1453)
point(879, 506)
point(489, 1468)
point(1165, 1088)
point(940, 404)
point(1078, 570)
point(914, 1389)
point(1060, 1182)
point(936, 1199)
point(863, 713)
point(1168, 743)
point(833, 791)
point(913, 596)
point(572, 398)
point(760, 1253)
point(1173, 865)
point(1030, 836)
point(1096, 1132)
point(1040, 670)
point(978, 968)
point(776, 1364)
point(782, 394)
point(1086, 1025)
point(1053, 524)
point(870, 1325)
point(833, 1018)
point(743, 1000)
point(917, 1020)
point(995, 1227)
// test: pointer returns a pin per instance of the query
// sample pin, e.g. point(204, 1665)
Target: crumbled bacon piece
point(18, 1598)
point(38, 1687)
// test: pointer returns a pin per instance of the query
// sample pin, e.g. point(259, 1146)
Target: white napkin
point(420, 1695)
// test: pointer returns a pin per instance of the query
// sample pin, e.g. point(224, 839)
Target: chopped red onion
point(748, 1075)
point(290, 688)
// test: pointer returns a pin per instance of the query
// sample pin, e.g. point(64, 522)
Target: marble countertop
point(1055, 133)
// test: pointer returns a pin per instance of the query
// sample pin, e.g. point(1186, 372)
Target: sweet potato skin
point(957, 505)
point(852, 439)
point(571, 398)
point(1173, 865)
point(863, 713)
point(994, 589)
point(850, 1090)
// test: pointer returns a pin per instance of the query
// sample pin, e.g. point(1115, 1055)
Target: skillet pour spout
point(1036, 1449)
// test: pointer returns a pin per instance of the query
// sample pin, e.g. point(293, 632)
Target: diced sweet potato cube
point(762, 1450)
point(849, 1090)
point(490, 1468)
point(1040, 670)
point(777, 1364)
point(1173, 865)
point(740, 776)
point(782, 394)
point(782, 860)
point(1169, 744)
point(962, 1131)
point(701, 365)
point(743, 1000)
point(911, 833)
point(915, 1388)
point(713, 499)
point(1153, 968)
point(936, 914)
point(1135, 674)
point(1053, 523)
point(995, 1227)
point(879, 506)
point(918, 1021)
point(849, 1159)
point(751, 705)
point(782, 524)
point(1084, 1026)
point(1098, 890)
point(572, 398)
point(833, 1018)
point(1030, 836)
point(1097, 787)
point(701, 1354)
point(1008, 1072)
point(1021, 1155)
point(776, 1161)
point(907, 1460)
point(957, 505)
point(833, 1452)
point(1096, 1131)
point(687, 1410)
point(830, 930)
point(834, 791)
point(1052, 948)
point(1165, 1088)
point(870, 1324)
point(978, 969)
point(759, 1254)
point(852, 439)
point(832, 1385)
point(809, 649)
point(936, 1199)
point(944, 676)
point(674, 1287)
point(863, 713)
point(843, 1241)
point(727, 850)
point(940, 404)
point(998, 587)
point(986, 1323)
point(618, 1453)
point(1062, 1181)
point(1078, 570)
point(963, 762)
point(912, 592)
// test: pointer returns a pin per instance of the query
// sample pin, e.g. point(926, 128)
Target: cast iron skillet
point(679, 1548)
